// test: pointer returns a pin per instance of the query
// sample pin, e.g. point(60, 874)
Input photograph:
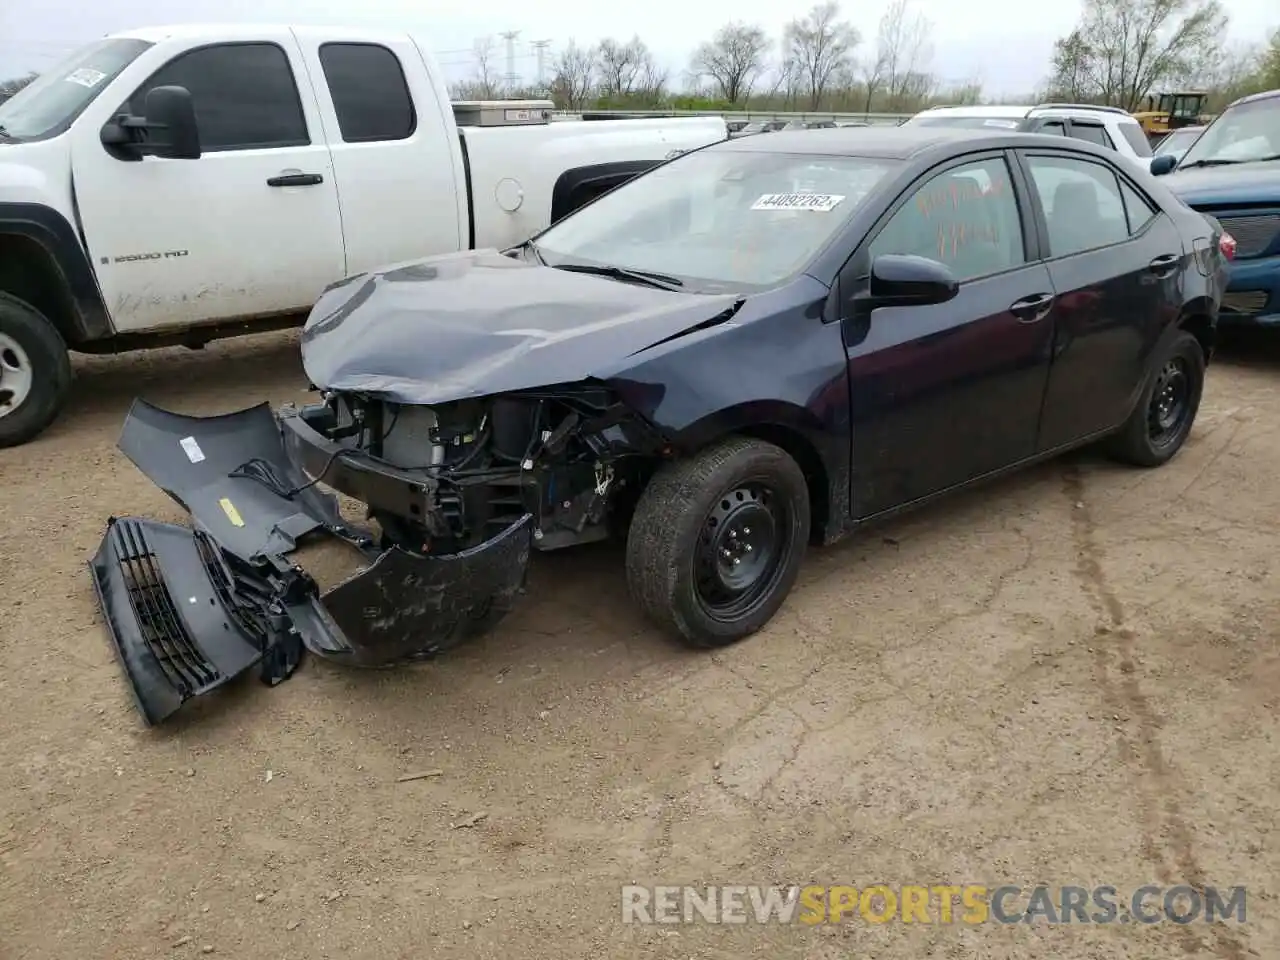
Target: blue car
point(1232, 173)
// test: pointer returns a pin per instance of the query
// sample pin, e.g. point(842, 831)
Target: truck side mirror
point(168, 128)
point(1163, 164)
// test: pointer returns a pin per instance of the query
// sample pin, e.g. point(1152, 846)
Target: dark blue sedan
point(757, 347)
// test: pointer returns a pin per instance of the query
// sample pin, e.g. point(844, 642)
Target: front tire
point(1162, 419)
point(717, 541)
point(35, 372)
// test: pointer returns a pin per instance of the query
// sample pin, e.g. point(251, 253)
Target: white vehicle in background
point(1108, 127)
point(173, 185)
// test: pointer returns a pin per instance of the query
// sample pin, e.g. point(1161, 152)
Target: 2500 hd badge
point(135, 257)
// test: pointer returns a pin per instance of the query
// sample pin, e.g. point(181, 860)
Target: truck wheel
point(1162, 419)
point(717, 540)
point(35, 372)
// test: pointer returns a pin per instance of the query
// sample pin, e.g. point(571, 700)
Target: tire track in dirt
point(1158, 783)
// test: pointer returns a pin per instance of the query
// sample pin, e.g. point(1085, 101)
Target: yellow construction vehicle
point(1170, 111)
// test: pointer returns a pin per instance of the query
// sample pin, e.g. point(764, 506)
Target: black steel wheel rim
point(742, 550)
point(1170, 402)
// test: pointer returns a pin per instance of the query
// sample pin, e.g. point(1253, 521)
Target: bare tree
point(904, 53)
point(625, 68)
point(820, 45)
point(872, 75)
point(967, 93)
point(574, 76)
point(1123, 50)
point(733, 59)
point(485, 81)
point(651, 85)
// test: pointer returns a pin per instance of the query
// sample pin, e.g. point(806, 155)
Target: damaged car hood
point(479, 323)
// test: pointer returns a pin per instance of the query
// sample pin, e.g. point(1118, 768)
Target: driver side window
point(244, 94)
point(965, 217)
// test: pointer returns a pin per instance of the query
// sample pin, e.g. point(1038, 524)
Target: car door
point(180, 242)
point(1116, 263)
point(945, 393)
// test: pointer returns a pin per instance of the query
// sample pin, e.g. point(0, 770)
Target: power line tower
point(540, 47)
point(510, 37)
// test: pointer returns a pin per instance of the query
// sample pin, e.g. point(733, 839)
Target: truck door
point(396, 153)
point(250, 229)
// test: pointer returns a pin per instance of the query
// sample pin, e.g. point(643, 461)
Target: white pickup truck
point(172, 185)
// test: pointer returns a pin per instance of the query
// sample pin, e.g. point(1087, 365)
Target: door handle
point(1162, 266)
point(1032, 308)
point(295, 180)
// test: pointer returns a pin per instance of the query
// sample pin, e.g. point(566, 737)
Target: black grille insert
point(162, 628)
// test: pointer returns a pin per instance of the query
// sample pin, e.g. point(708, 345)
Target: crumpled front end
point(189, 609)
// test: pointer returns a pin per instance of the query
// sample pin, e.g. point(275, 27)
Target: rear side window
point(370, 95)
point(244, 94)
point(1056, 127)
point(1083, 207)
point(1091, 132)
point(1137, 139)
point(1137, 208)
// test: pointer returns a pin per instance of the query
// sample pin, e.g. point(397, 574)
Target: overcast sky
point(1004, 43)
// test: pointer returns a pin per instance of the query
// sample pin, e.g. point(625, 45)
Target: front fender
point(773, 370)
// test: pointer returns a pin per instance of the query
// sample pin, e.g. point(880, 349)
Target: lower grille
point(1254, 234)
point(162, 628)
point(1246, 301)
point(230, 595)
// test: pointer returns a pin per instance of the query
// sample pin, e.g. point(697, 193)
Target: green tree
point(1071, 79)
point(1270, 70)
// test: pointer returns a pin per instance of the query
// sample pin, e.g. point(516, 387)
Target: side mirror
point(168, 128)
point(1163, 164)
point(899, 280)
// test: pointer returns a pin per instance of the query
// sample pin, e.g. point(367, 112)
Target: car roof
point(976, 111)
point(1012, 112)
point(1253, 98)
point(902, 142)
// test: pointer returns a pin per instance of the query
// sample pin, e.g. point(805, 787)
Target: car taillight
point(1227, 244)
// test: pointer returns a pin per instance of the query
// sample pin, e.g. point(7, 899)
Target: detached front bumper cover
point(188, 609)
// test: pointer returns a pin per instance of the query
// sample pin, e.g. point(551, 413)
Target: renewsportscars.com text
point(933, 904)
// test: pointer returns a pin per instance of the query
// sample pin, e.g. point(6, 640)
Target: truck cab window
point(244, 93)
point(370, 95)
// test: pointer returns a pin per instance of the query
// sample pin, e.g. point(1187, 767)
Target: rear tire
point(717, 541)
point(35, 372)
point(1166, 410)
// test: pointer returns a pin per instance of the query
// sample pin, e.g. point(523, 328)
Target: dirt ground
point(1068, 677)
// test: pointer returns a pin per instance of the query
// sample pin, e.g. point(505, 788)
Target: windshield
point(1176, 144)
point(47, 106)
point(1248, 131)
point(720, 220)
point(1005, 123)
